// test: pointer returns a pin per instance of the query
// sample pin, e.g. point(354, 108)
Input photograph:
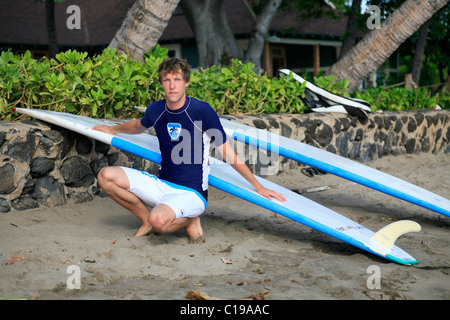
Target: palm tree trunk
point(258, 37)
point(215, 40)
point(351, 29)
point(143, 26)
point(373, 50)
point(51, 28)
point(418, 55)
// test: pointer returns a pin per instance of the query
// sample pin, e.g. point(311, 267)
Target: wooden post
point(266, 60)
point(316, 59)
point(409, 83)
point(408, 79)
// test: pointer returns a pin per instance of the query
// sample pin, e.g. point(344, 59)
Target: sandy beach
point(248, 250)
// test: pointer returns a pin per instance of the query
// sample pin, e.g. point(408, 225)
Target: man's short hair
point(174, 65)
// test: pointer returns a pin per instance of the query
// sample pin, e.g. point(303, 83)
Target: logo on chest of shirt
point(174, 130)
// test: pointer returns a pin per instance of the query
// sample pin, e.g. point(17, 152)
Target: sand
point(248, 250)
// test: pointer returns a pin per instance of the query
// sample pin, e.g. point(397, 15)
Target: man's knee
point(157, 223)
point(111, 175)
point(161, 217)
point(104, 175)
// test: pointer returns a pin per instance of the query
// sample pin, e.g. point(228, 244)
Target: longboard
point(222, 176)
point(338, 165)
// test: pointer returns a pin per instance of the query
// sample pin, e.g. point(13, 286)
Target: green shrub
point(238, 89)
point(399, 98)
point(108, 85)
point(103, 86)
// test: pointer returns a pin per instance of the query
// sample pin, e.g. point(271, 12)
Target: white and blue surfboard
point(341, 166)
point(338, 165)
point(223, 177)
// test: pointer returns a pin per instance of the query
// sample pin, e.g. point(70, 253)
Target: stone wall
point(41, 164)
point(387, 133)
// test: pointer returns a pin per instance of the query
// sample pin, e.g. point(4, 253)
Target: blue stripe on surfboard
point(273, 206)
point(337, 171)
point(137, 150)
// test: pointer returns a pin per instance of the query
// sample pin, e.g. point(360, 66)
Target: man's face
point(175, 89)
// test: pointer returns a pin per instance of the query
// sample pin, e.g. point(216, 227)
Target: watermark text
point(374, 21)
point(74, 280)
point(74, 20)
point(374, 280)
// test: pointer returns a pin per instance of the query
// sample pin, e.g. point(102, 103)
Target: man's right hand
point(130, 127)
point(104, 128)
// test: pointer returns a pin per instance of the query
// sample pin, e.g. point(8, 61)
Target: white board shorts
point(186, 202)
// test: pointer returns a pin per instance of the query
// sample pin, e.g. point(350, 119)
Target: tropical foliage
point(108, 85)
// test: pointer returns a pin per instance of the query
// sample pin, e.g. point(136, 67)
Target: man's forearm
point(231, 158)
point(245, 172)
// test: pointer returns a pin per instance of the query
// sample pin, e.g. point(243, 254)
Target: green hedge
point(399, 98)
point(108, 85)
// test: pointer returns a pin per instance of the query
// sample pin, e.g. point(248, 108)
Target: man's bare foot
point(144, 230)
point(198, 240)
point(195, 231)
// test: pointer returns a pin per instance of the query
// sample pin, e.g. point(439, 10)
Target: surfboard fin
point(386, 236)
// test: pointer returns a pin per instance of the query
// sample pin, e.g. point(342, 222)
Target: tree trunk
point(215, 40)
point(258, 37)
point(418, 55)
point(143, 26)
point(51, 28)
point(373, 50)
point(350, 38)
